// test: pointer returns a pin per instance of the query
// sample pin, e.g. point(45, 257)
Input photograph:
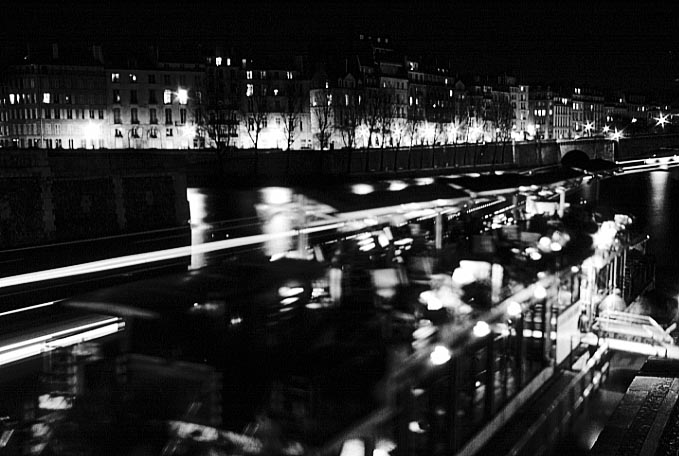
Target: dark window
point(182, 116)
point(134, 116)
point(119, 133)
point(168, 117)
point(133, 96)
point(153, 118)
point(116, 116)
point(152, 97)
point(101, 113)
point(152, 78)
point(166, 79)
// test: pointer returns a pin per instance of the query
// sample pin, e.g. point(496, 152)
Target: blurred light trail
point(23, 309)
point(48, 342)
point(152, 257)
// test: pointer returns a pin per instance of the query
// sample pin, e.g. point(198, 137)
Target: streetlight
point(182, 96)
point(661, 121)
point(588, 126)
point(616, 135)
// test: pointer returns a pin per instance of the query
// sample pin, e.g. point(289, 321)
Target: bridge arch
point(575, 158)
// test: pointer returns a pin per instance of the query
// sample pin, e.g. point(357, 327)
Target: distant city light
point(514, 309)
point(182, 96)
point(616, 135)
point(662, 120)
point(539, 292)
point(440, 355)
point(589, 126)
point(91, 131)
point(481, 329)
point(397, 185)
point(362, 189)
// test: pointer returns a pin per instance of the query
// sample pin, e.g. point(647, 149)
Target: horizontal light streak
point(43, 344)
point(152, 257)
point(24, 309)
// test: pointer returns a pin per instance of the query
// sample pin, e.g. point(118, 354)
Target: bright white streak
point(151, 257)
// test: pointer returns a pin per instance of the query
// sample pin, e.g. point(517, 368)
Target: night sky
point(622, 44)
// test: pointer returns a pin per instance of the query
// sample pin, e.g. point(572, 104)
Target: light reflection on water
point(652, 198)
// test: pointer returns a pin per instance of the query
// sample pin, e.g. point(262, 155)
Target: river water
point(653, 199)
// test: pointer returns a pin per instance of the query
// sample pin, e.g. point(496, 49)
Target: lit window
point(346, 99)
point(11, 98)
point(289, 74)
point(182, 96)
point(262, 74)
point(275, 92)
point(115, 77)
point(228, 61)
point(133, 77)
point(248, 74)
point(167, 96)
point(450, 93)
point(249, 90)
point(45, 97)
point(218, 61)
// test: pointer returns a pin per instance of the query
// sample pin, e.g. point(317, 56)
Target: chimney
point(55, 51)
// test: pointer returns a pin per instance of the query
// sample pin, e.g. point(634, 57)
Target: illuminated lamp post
point(661, 121)
point(588, 127)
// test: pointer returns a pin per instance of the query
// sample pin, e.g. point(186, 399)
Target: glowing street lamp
point(588, 127)
point(616, 135)
point(661, 121)
point(182, 96)
point(606, 129)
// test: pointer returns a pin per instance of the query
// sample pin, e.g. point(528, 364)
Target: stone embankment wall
point(52, 196)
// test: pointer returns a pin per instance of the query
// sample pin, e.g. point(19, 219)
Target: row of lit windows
point(132, 78)
point(181, 95)
point(152, 133)
point(52, 98)
point(263, 74)
point(47, 113)
point(152, 116)
point(138, 133)
point(49, 143)
point(56, 83)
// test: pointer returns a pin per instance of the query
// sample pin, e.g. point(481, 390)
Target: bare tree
point(322, 110)
point(255, 114)
point(399, 130)
point(503, 120)
point(350, 118)
point(292, 113)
